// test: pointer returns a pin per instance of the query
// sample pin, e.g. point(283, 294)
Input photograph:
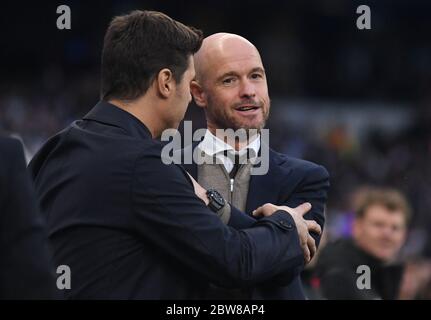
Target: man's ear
point(198, 94)
point(165, 83)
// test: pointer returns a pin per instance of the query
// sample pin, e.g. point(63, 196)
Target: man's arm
point(229, 214)
point(239, 220)
point(313, 189)
point(169, 214)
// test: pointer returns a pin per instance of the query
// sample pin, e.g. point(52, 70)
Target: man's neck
point(144, 112)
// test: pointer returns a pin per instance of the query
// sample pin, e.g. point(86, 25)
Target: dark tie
point(236, 166)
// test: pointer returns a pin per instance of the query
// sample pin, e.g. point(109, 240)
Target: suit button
point(286, 224)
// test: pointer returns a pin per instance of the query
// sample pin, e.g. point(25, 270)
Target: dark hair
point(140, 44)
point(390, 199)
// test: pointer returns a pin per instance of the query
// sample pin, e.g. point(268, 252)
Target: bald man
point(231, 88)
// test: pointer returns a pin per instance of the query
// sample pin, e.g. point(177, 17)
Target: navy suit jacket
point(131, 227)
point(291, 182)
point(26, 268)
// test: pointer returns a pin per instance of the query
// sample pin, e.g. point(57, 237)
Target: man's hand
point(303, 226)
point(199, 190)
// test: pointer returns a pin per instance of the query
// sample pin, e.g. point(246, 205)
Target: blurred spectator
point(379, 231)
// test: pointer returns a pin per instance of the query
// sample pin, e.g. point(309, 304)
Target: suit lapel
point(266, 188)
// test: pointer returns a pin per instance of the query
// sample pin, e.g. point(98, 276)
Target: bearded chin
point(223, 120)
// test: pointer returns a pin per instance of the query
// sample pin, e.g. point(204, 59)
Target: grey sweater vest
point(234, 191)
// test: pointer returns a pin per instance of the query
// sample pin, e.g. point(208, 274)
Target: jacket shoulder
point(300, 166)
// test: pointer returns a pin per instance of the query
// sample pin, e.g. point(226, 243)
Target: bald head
point(231, 83)
point(221, 48)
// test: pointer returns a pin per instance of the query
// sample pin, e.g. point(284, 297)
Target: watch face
point(219, 199)
point(216, 197)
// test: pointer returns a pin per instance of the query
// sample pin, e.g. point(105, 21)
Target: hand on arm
point(304, 227)
point(170, 217)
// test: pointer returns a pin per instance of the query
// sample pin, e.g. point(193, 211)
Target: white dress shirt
point(213, 146)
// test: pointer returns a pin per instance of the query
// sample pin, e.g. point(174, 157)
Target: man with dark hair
point(129, 226)
point(131, 59)
point(26, 267)
point(379, 231)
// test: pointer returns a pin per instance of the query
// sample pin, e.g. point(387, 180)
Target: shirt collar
point(213, 145)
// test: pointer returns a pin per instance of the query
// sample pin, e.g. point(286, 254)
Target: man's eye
point(228, 80)
point(378, 225)
point(256, 76)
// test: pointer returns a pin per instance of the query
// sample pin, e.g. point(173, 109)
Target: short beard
point(222, 120)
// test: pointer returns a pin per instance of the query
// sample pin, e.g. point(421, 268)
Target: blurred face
point(235, 91)
point(182, 97)
point(380, 232)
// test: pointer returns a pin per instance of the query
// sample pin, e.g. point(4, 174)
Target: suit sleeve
point(26, 270)
point(314, 189)
point(178, 223)
point(240, 220)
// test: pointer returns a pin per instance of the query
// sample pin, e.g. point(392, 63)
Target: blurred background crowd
point(356, 101)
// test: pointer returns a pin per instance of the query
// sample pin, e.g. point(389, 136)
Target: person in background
point(379, 232)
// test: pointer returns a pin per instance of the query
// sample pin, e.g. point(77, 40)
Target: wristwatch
point(216, 201)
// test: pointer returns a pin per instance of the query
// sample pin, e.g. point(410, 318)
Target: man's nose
point(387, 232)
point(247, 89)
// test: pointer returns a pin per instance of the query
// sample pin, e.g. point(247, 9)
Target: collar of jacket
point(110, 114)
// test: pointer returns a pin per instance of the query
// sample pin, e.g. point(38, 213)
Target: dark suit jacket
point(337, 271)
point(26, 270)
point(131, 227)
point(289, 182)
